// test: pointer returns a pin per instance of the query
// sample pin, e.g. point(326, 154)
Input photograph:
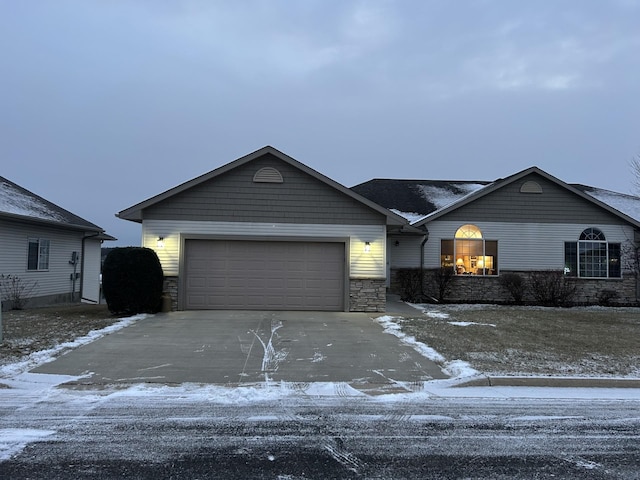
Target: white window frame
point(43, 254)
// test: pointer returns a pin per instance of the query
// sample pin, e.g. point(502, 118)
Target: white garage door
point(257, 275)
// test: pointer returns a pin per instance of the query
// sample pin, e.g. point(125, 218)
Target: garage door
point(253, 275)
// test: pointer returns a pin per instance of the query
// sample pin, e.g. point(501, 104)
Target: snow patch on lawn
point(466, 324)
point(457, 368)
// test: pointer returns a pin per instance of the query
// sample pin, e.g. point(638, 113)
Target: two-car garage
point(269, 275)
point(266, 232)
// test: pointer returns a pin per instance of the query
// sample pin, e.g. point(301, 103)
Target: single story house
point(267, 232)
point(527, 222)
point(52, 253)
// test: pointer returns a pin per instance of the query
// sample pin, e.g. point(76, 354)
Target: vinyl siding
point(233, 196)
point(523, 246)
point(555, 204)
point(407, 253)
point(13, 256)
point(360, 264)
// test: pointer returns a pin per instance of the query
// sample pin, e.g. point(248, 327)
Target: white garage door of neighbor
point(258, 275)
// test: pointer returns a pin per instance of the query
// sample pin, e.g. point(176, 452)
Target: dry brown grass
point(30, 330)
point(531, 340)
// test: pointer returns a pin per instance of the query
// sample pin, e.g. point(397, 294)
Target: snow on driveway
point(27, 395)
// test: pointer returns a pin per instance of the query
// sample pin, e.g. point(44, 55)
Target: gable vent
point(530, 187)
point(268, 175)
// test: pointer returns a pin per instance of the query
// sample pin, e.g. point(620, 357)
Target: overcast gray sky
point(106, 103)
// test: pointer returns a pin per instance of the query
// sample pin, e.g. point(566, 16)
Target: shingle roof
point(414, 199)
point(19, 203)
point(418, 197)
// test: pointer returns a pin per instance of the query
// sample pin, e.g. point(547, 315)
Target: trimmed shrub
point(515, 285)
point(132, 281)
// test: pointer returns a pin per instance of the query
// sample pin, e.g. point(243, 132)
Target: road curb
point(566, 382)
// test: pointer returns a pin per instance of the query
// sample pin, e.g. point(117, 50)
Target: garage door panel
point(264, 275)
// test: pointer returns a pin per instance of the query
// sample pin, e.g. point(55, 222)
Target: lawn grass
point(509, 340)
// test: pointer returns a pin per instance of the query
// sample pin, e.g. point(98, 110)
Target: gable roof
point(625, 203)
point(18, 203)
point(502, 182)
point(134, 213)
point(413, 199)
point(422, 201)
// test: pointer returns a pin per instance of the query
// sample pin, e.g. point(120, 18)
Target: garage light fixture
point(160, 242)
point(367, 247)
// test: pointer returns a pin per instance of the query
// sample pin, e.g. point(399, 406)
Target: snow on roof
point(16, 200)
point(410, 216)
point(19, 202)
point(441, 196)
point(627, 204)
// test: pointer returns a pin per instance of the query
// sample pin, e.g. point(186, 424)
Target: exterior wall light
point(160, 242)
point(367, 247)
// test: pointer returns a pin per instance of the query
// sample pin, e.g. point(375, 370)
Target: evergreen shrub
point(132, 281)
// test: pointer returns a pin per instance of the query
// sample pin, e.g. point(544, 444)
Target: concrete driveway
point(237, 347)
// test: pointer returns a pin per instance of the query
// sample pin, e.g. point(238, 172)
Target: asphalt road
point(122, 434)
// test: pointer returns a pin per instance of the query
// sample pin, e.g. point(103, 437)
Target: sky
point(106, 103)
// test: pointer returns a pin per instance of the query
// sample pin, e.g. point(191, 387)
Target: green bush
point(132, 281)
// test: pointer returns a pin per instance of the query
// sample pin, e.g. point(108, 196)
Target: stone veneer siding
point(170, 287)
point(367, 295)
point(487, 289)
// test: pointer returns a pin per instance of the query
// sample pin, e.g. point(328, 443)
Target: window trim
point(578, 260)
point(41, 255)
point(470, 233)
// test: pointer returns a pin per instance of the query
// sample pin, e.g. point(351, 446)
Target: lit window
point(468, 253)
point(38, 254)
point(592, 256)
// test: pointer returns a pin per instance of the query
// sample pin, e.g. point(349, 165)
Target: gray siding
point(56, 280)
point(233, 196)
point(554, 205)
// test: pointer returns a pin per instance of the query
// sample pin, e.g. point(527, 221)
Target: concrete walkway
point(232, 348)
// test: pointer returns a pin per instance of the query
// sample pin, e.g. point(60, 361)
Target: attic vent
point(530, 187)
point(268, 175)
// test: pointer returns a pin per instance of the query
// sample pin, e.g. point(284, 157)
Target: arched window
point(592, 234)
point(468, 231)
point(592, 256)
point(468, 253)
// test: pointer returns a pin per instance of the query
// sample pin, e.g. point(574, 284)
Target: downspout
point(82, 268)
point(422, 244)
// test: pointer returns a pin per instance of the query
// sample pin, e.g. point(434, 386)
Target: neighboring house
point(54, 253)
point(267, 232)
point(528, 222)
